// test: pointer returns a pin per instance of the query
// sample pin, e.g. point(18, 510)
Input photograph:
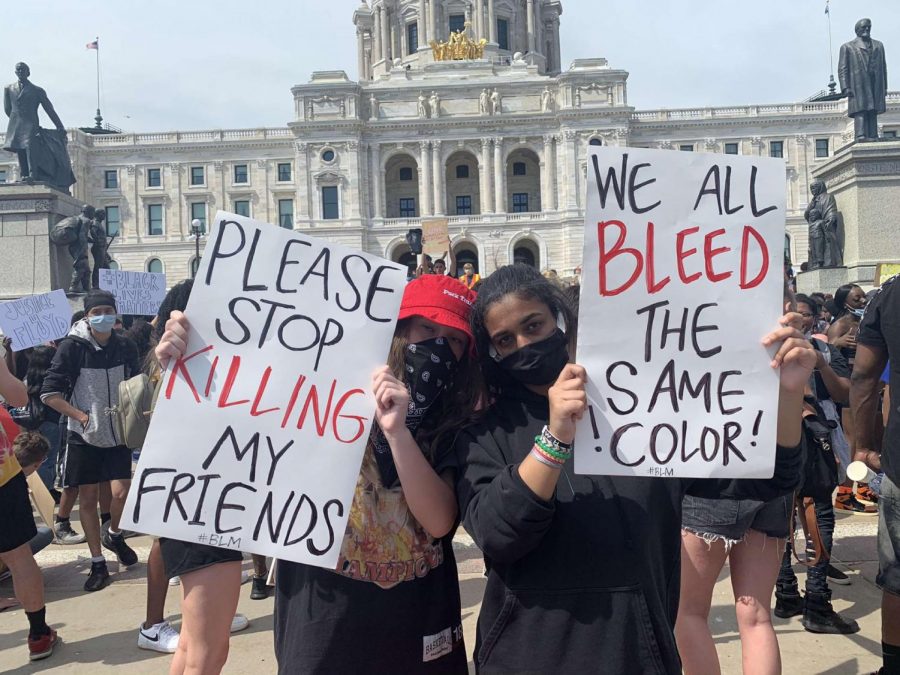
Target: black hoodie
point(585, 583)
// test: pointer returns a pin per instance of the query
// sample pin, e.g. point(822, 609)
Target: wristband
point(553, 441)
point(543, 460)
point(558, 455)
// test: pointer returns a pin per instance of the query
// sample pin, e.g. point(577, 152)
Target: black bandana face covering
point(540, 362)
point(429, 368)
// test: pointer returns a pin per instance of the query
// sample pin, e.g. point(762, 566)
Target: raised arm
point(867, 369)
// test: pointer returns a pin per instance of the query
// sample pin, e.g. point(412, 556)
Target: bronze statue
point(42, 153)
point(75, 232)
point(862, 70)
point(825, 249)
point(99, 246)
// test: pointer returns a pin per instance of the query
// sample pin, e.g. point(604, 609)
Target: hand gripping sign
point(683, 277)
point(259, 431)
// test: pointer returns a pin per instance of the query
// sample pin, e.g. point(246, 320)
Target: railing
point(402, 222)
point(191, 137)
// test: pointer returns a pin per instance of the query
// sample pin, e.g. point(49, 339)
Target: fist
point(568, 401)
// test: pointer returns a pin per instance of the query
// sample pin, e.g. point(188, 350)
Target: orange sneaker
point(846, 502)
point(865, 494)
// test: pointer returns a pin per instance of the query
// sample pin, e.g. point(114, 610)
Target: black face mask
point(540, 362)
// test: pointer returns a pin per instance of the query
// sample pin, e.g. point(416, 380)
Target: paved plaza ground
point(99, 630)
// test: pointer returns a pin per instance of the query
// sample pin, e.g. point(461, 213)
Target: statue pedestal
point(824, 280)
point(865, 181)
point(29, 263)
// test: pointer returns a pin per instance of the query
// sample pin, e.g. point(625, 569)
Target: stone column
point(529, 19)
point(492, 22)
point(437, 177)
point(484, 174)
point(548, 198)
point(425, 173)
point(377, 44)
point(479, 19)
point(572, 169)
point(420, 25)
point(361, 56)
point(377, 188)
point(499, 177)
point(432, 20)
point(385, 34)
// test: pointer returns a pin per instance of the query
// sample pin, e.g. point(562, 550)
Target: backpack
point(820, 473)
point(137, 397)
point(65, 232)
point(31, 415)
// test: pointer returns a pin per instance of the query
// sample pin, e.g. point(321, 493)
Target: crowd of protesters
point(581, 570)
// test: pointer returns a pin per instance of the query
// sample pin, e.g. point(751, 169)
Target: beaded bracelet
point(544, 460)
point(558, 455)
point(553, 441)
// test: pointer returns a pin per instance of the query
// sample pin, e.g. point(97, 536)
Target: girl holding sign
point(392, 605)
point(583, 571)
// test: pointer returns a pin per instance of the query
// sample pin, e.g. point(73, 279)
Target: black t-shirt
point(880, 328)
point(393, 604)
point(838, 364)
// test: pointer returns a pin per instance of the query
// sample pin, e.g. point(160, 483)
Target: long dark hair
point(38, 364)
point(176, 299)
point(455, 409)
point(527, 283)
point(840, 299)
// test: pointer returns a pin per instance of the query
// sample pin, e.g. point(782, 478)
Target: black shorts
point(16, 520)
point(181, 557)
point(89, 465)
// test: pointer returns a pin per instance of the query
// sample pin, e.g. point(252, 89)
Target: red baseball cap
point(441, 299)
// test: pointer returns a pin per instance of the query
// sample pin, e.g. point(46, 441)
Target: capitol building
point(460, 109)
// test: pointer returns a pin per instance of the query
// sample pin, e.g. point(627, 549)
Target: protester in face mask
point(583, 571)
point(392, 605)
point(83, 384)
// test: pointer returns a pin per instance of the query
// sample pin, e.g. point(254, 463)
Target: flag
point(93, 45)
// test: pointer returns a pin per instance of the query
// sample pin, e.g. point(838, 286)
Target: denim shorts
point(888, 578)
point(729, 519)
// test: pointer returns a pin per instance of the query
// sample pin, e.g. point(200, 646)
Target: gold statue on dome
point(460, 46)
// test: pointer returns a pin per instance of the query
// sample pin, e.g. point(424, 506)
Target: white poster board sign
point(682, 279)
point(35, 319)
point(258, 435)
point(139, 293)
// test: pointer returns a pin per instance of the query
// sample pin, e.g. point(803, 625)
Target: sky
point(220, 64)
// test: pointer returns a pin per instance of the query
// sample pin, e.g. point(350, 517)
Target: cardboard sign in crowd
point(35, 319)
point(136, 293)
point(683, 277)
point(258, 435)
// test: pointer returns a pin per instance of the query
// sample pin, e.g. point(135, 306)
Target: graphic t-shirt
point(9, 465)
point(391, 606)
point(880, 328)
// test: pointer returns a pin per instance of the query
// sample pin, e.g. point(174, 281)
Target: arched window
point(113, 265)
point(595, 141)
point(155, 265)
point(526, 252)
point(466, 253)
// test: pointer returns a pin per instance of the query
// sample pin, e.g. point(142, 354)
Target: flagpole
point(831, 83)
point(98, 118)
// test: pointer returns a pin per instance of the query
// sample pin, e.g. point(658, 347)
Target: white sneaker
point(160, 637)
point(175, 581)
point(239, 623)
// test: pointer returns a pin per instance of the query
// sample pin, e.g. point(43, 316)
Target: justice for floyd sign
point(683, 277)
point(258, 435)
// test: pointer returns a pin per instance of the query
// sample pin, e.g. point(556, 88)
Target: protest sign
point(435, 239)
point(884, 271)
point(35, 319)
point(258, 434)
point(136, 292)
point(682, 279)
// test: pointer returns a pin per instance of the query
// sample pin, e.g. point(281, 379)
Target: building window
point(155, 265)
point(242, 207)
point(687, 147)
point(154, 219)
point(462, 171)
point(595, 141)
point(464, 205)
point(731, 148)
point(110, 179)
point(519, 169)
point(457, 23)
point(776, 149)
point(408, 207)
point(328, 155)
point(412, 38)
point(113, 221)
point(284, 172)
point(286, 213)
point(330, 209)
point(890, 133)
point(405, 173)
point(197, 176)
point(198, 212)
point(154, 179)
point(520, 202)
point(503, 34)
point(821, 147)
point(240, 173)
point(2, 175)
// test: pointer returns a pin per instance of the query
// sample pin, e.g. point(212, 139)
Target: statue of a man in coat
point(42, 153)
point(862, 70)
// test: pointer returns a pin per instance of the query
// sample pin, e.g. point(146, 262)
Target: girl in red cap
point(392, 605)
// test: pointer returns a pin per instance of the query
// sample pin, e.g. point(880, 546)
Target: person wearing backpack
point(83, 384)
